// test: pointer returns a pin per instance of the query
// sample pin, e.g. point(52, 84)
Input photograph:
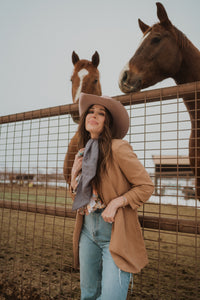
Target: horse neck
point(190, 72)
point(190, 67)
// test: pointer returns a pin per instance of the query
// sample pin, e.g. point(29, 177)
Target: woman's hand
point(110, 211)
point(77, 166)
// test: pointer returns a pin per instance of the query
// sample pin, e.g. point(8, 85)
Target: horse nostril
point(125, 76)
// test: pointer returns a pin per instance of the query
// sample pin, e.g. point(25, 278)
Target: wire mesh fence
point(36, 222)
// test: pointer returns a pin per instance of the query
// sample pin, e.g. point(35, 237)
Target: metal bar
point(134, 98)
point(169, 224)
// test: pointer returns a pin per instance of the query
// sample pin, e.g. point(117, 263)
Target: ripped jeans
point(100, 278)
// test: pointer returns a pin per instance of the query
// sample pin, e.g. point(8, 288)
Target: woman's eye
point(99, 113)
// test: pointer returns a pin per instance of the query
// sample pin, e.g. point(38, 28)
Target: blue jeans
point(100, 278)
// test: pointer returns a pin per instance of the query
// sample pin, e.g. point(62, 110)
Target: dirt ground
point(36, 261)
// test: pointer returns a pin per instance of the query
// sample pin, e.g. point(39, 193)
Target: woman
point(109, 184)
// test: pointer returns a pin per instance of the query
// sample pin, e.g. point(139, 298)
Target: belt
point(99, 210)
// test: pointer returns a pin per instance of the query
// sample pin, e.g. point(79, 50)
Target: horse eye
point(155, 40)
point(96, 80)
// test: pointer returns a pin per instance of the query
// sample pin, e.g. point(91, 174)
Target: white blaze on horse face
point(126, 67)
point(142, 40)
point(81, 74)
point(121, 75)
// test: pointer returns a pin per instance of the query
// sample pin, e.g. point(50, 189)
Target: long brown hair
point(105, 144)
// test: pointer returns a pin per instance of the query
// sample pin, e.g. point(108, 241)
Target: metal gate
point(36, 222)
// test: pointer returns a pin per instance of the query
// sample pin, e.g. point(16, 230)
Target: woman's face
point(94, 121)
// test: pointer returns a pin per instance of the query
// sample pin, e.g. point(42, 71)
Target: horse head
point(158, 57)
point(85, 78)
point(166, 52)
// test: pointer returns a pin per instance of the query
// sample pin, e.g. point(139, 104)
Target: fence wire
point(36, 222)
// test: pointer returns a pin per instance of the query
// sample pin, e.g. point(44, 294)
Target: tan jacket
point(127, 177)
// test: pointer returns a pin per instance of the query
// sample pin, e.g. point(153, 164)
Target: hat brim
point(119, 113)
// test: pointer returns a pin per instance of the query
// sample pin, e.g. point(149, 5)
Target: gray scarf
point(89, 167)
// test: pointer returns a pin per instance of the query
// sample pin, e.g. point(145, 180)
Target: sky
point(38, 37)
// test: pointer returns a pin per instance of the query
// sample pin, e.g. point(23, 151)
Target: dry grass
point(36, 256)
point(36, 253)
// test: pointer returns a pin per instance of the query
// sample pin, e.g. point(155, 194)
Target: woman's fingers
point(108, 216)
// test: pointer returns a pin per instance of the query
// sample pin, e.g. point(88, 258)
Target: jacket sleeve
point(142, 186)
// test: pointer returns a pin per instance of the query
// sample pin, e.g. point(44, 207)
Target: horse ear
point(144, 27)
point(95, 59)
point(75, 58)
point(162, 14)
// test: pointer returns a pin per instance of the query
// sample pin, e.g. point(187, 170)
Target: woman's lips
point(93, 122)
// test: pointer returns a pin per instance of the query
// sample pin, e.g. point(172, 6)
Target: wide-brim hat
point(119, 114)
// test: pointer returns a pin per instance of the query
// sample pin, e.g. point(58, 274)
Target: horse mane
point(181, 38)
point(84, 63)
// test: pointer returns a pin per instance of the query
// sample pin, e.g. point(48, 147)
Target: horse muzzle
point(127, 84)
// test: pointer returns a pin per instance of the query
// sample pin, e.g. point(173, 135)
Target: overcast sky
point(38, 37)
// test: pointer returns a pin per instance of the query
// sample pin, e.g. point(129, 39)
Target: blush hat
point(118, 112)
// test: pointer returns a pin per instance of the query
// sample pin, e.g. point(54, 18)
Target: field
point(36, 252)
point(37, 194)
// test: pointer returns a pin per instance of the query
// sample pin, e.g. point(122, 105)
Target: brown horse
point(85, 78)
point(166, 52)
